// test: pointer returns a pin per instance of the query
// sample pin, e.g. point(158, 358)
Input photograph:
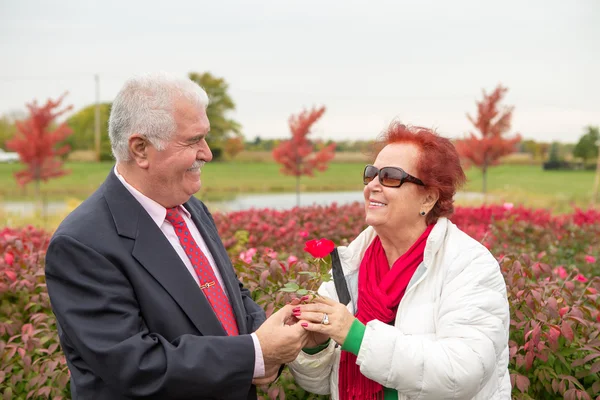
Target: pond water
point(279, 201)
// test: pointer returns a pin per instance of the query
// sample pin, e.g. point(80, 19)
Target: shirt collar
point(156, 211)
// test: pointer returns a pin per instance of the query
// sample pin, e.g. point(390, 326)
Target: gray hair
point(145, 105)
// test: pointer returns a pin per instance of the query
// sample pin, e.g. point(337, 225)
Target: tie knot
point(173, 216)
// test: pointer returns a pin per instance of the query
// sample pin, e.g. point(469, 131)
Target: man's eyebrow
point(197, 138)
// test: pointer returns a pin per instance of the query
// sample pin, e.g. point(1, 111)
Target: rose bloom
point(319, 248)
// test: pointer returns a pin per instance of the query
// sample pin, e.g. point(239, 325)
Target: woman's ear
point(138, 149)
point(430, 198)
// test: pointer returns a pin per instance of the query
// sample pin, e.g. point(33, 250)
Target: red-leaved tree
point(38, 143)
point(484, 148)
point(297, 156)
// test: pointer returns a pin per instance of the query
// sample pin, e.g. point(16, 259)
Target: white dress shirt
point(158, 214)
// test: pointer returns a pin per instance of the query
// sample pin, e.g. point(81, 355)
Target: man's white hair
point(145, 105)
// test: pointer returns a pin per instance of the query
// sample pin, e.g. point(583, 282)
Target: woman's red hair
point(438, 166)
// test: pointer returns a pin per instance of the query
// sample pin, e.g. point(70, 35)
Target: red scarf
point(380, 290)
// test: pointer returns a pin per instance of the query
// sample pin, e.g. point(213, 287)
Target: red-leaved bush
point(32, 364)
point(551, 265)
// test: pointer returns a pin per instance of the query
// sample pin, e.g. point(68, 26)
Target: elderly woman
point(423, 312)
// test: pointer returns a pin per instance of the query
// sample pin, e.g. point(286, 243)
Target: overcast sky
point(423, 62)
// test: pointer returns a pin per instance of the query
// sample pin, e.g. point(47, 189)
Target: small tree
point(220, 105)
point(36, 142)
point(554, 152)
point(82, 123)
point(233, 146)
point(296, 155)
point(587, 147)
point(8, 128)
point(484, 148)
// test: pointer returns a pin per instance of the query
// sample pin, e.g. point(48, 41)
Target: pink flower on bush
point(247, 255)
point(590, 259)
point(319, 248)
point(9, 258)
point(292, 260)
point(508, 206)
point(561, 272)
point(303, 234)
point(581, 278)
point(270, 253)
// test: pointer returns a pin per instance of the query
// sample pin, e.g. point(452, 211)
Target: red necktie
point(208, 281)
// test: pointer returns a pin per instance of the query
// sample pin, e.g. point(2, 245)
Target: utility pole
point(597, 180)
point(97, 119)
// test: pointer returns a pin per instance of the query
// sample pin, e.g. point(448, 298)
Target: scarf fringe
point(353, 384)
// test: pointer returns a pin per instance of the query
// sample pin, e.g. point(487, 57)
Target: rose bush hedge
point(550, 263)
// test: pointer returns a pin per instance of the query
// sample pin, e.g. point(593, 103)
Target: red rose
point(319, 248)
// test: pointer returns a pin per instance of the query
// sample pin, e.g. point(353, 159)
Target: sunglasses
point(389, 176)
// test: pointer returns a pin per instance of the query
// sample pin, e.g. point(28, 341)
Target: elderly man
point(147, 302)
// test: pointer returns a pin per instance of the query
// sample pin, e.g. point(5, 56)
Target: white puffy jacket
point(450, 337)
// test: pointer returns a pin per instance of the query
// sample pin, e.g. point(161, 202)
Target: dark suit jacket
point(132, 321)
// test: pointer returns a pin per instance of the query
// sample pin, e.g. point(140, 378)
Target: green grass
point(520, 184)
point(219, 180)
point(534, 187)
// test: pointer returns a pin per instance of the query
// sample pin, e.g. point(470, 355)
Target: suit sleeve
point(97, 310)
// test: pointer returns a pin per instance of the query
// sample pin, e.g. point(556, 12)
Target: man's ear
point(431, 197)
point(138, 148)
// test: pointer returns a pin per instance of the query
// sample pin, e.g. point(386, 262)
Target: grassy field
point(218, 180)
point(520, 184)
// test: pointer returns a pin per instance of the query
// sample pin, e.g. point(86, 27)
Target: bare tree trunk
point(297, 190)
point(36, 188)
point(484, 180)
point(37, 195)
point(97, 119)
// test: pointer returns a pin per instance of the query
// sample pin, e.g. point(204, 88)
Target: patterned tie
point(208, 281)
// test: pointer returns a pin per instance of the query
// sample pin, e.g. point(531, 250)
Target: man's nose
point(204, 153)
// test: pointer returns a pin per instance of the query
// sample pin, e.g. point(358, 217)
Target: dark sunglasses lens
point(369, 174)
point(391, 177)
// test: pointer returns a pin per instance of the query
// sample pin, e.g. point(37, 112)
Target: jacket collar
point(352, 255)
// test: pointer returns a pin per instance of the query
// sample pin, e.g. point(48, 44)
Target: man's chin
point(194, 188)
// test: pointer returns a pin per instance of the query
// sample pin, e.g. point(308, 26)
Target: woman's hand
point(311, 317)
point(313, 339)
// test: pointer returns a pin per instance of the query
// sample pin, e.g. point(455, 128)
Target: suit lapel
point(207, 230)
point(154, 252)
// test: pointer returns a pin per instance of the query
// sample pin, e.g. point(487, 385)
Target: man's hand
point(313, 339)
point(281, 343)
point(270, 375)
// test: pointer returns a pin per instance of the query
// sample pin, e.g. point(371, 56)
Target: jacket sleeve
point(313, 371)
point(98, 313)
point(471, 331)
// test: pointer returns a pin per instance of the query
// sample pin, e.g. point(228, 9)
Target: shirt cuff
point(259, 361)
point(355, 337)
